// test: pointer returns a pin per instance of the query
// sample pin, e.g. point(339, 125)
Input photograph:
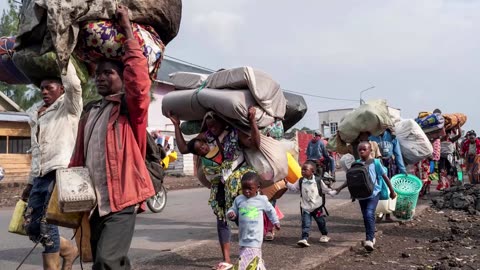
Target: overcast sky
point(419, 54)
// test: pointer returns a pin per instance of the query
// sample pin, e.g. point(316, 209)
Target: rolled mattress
point(194, 104)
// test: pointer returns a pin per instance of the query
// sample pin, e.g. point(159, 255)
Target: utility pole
point(363, 91)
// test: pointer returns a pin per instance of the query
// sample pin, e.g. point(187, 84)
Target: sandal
point(269, 236)
point(223, 266)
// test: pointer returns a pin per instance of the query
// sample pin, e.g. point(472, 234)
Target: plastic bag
point(270, 161)
point(414, 144)
point(346, 161)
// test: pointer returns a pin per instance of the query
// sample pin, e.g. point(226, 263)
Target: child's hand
point(277, 226)
point(231, 215)
point(333, 192)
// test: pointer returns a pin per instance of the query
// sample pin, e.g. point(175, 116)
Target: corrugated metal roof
point(13, 117)
point(171, 66)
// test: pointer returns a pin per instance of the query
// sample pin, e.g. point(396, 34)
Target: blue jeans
point(307, 223)
point(368, 207)
point(332, 166)
point(36, 225)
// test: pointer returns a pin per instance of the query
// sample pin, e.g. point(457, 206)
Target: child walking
point(249, 209)
point(369, 204)
point(311, 203)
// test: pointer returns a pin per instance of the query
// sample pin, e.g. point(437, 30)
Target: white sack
point(414, 143)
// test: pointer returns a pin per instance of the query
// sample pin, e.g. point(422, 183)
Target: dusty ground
point(446, 239)
point(10, 193)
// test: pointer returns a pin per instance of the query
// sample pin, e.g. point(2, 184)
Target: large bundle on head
point(454, 120)
point(38, 67)
point(55, 24)
point(9, 72)
point(433, 124)
point(414, 144)
point(229, 104)
point(229, 93)
point(26, 66)
point(295, 111)
point(239, 89)
point(372, 117)
point(263, 91)
point(102, 39)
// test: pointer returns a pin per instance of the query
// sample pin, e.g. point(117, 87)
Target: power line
point(286, 90)
point(317, 96)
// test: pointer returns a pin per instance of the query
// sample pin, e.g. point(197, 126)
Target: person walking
point(471, 152)
point(221, 148)
point(317, 153)
point(369, 204)
point(248, 209)
point(311, 203)
point(53, 124)
point(111, 143)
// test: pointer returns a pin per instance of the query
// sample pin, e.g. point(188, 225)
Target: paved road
point(186, 222)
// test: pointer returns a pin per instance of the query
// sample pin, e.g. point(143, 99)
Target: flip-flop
point(223, 266)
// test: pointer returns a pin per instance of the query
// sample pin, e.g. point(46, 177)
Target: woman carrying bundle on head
point(220, 147)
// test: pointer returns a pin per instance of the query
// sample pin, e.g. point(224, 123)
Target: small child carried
point(311, 203)
point(249, 208)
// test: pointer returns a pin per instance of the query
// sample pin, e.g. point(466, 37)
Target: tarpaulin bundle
point(54, 25)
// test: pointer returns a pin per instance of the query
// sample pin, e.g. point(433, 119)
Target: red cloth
point(466, 145)
point(128, 179)
point(267, 224)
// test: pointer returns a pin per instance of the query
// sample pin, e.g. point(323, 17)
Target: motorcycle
point(157, 202)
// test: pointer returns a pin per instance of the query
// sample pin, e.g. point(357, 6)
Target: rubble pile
point(466, 197)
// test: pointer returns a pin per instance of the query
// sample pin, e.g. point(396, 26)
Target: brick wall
point(303, 139)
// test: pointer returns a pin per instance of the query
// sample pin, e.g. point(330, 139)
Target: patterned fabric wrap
point(9, 73)
point(250, 259)
point(214, 164)
point(274, 130)
point(430, 122)
point(103, 39)
point(437, 147)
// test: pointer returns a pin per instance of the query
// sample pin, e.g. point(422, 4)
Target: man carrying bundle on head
point(111, 143)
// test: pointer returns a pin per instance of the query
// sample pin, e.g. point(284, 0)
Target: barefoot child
point(311, 203)
point(249, 209)
point(369, 204)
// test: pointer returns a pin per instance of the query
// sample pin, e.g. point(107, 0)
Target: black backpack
point(153, 155)
point(153, 162)
point(320, 192)
point(359, 181)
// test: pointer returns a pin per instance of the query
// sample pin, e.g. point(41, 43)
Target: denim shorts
point(36, 226)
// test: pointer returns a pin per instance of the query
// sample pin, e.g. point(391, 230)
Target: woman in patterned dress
point(220, 147)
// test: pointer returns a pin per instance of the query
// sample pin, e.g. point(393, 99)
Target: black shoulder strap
point(300, 181)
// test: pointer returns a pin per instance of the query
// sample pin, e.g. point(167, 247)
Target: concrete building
point(329, 120)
